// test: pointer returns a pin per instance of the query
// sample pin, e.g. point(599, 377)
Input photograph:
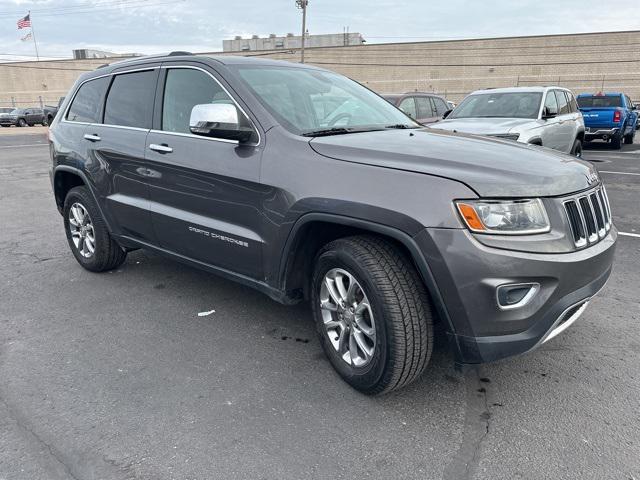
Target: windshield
point(599, 101)
point(16, 111)
point(504, 105)
point(306, 101)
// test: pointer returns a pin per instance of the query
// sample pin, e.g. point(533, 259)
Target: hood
point(491, 167)
point(482, 126)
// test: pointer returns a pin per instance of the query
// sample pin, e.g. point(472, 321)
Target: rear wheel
point(372, 313)
point(576, 150)
point(87, 234)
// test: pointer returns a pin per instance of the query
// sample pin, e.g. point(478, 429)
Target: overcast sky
point(152, 26)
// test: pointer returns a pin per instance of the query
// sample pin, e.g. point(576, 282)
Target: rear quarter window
point(85, 106)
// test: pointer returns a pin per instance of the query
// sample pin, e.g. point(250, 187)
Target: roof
point(518, 89)
point(600, 94)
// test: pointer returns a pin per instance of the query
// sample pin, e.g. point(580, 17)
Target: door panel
point(205, 200)
point(117, 150)
point(205, 193)
point(117, 166)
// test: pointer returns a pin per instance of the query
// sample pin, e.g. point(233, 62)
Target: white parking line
point(619, 173)
point(25, 145)
point(625, 234)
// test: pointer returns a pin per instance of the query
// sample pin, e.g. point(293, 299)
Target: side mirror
point(447, 113)
point(549, 113)
point(219, 120)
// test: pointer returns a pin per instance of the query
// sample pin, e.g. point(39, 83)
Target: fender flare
point(87, 183)
point(406, 240)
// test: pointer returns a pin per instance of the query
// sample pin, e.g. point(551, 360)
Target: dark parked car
point(239, 167)
point(21, 117)
point(425, 108)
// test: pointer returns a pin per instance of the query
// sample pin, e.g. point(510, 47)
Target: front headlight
point(506, 217)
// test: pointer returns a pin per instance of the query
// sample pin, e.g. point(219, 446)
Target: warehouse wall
point(581, 62)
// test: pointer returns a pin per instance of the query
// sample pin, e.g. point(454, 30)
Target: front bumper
point(467, 274)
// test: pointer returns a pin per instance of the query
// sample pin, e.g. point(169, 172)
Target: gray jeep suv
point(304, 184)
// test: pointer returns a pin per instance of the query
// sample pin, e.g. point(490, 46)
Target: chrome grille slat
point(589, 216)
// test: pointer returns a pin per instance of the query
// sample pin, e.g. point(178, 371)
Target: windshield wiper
point(399, 126)
point(337, 131)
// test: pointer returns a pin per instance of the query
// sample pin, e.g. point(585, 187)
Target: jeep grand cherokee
point(306, 185)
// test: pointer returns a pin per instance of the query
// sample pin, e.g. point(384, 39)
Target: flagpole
point(33, 35)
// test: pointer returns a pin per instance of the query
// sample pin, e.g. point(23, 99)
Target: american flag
point(24, 22)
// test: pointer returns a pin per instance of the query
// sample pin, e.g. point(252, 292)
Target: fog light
point(516, 295)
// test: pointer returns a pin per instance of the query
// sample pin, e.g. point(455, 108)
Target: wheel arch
point(64, 179)
point(314, 230)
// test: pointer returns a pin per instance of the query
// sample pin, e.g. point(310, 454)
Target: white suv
point(547, 116)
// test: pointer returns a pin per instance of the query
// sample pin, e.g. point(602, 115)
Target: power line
point(126, 3)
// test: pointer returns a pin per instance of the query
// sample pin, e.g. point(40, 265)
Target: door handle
point(92, 137)
point(164, 148)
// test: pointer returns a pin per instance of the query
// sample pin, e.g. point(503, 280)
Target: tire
point(22, 122)
point(45, 122)
point(616, 142)
point(106, 254)
point(399, 318)
point(628, 139)
point(576, 150)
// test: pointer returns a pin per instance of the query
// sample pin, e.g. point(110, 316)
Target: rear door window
point(441, 106)
point(85, 106)
point(408, 106)
point(563, 106)
point(424, 107)
point(130, 99)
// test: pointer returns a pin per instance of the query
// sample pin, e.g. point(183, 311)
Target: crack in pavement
point(476, 427)
point(52, 451)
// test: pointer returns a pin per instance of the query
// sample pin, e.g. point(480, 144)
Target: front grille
point(589, 216)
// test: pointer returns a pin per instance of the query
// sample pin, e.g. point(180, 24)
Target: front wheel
point(576, 150)
point(87, 233)
point(22, 122)
point(372, 313)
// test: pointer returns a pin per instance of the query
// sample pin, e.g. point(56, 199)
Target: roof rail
point(179, 53)
point(103, 65)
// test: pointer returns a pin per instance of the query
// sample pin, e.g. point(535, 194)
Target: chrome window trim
point(253, 125)
point(191, 135)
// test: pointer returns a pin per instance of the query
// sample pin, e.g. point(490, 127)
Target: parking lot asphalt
point(116, 376)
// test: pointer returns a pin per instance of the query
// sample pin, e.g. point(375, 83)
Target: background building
point(590, 62)
point(289, 41)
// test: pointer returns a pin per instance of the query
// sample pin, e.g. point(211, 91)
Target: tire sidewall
point(577, 148)
point(81, 196)
point(367, 377)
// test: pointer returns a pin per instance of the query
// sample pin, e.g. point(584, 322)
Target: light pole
point(303, 5)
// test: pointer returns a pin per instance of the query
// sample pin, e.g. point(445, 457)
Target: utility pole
point(303, 5)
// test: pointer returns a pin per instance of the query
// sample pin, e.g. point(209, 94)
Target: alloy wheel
point(81, 229)
point(347, 316)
